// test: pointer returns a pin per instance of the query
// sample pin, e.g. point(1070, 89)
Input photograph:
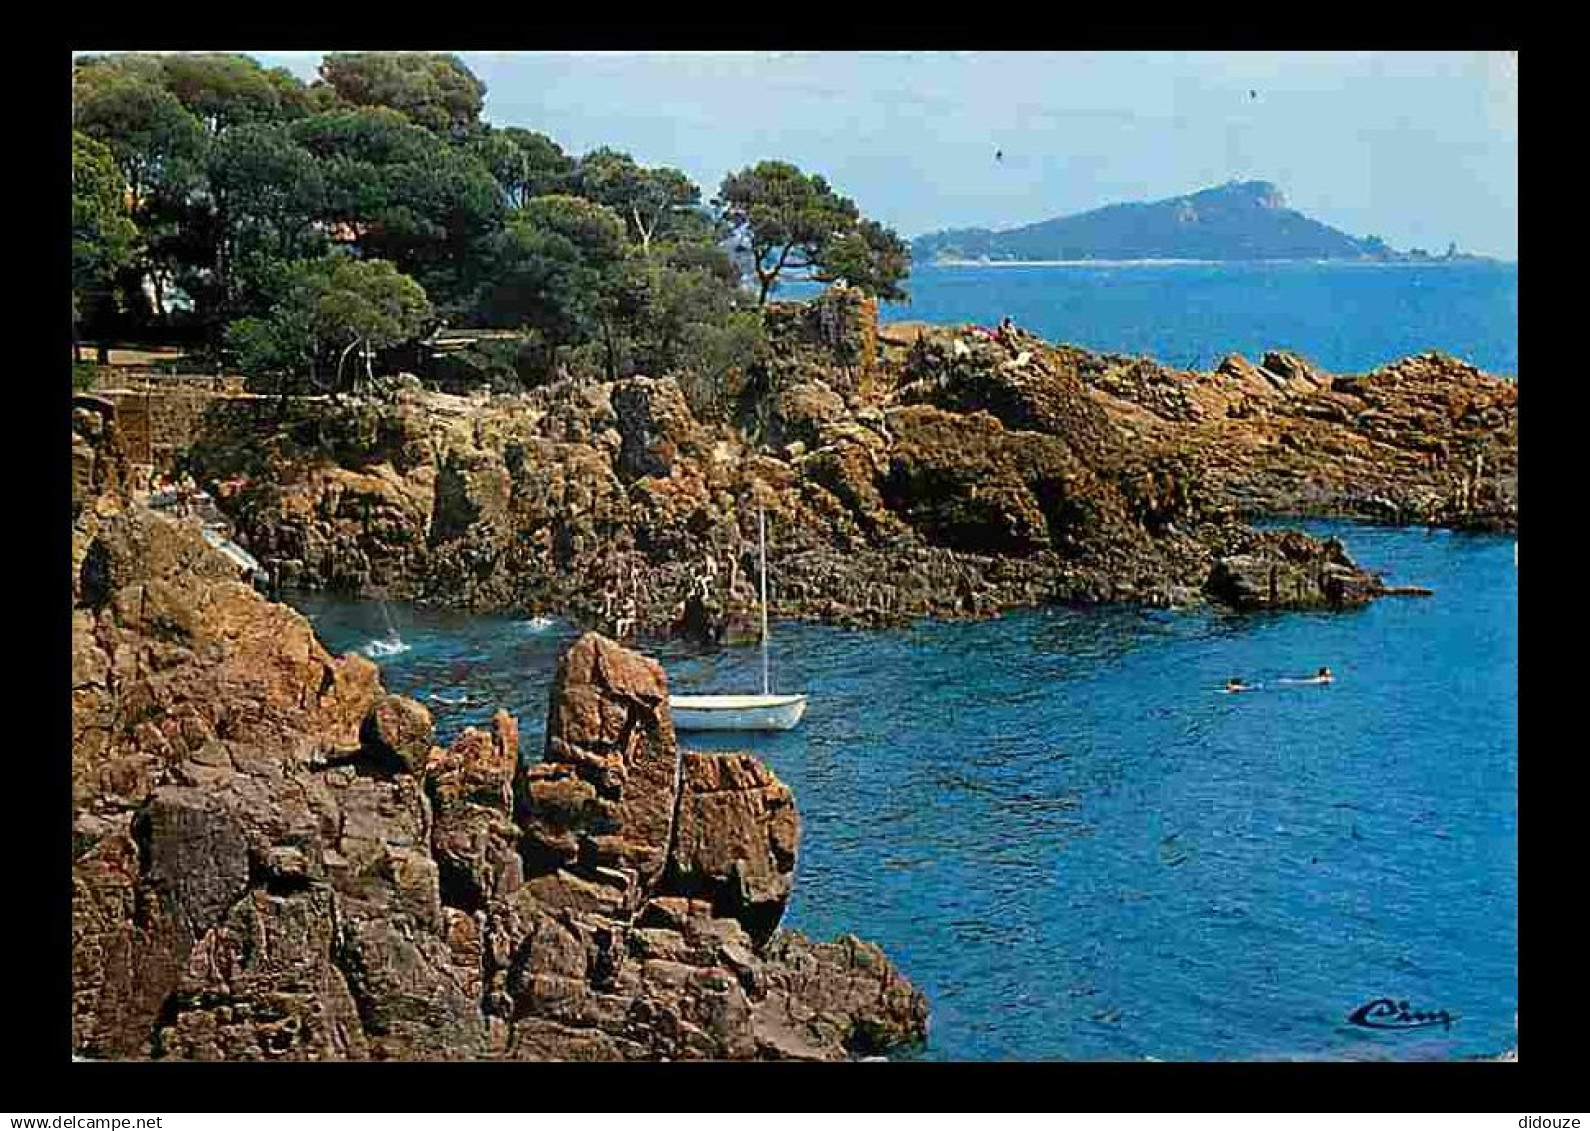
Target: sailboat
point(766, 711)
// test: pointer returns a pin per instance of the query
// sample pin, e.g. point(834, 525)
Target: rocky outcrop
point(1284, 570)
point(941, 473)
point(1428, 440)
point(598, 811)
point(272, 859)
point(734, 841)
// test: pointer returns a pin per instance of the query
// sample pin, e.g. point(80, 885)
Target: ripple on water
point(1078, 850)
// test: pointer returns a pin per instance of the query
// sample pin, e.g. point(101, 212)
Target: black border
point(43, 1078)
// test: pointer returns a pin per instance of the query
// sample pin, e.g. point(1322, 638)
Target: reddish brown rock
point(473, 835)
point(271, 864)
point(397, 731)
point(608, 727)
point(655, 425)
point(843, 994)
point(735, 840)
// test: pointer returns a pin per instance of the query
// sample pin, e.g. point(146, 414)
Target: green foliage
point(557, 269)
point(273, 187)
point(328, 308)
point(312, 226)
point(224, 91)
point(793, 221)
point(525, 163)
point(434, 91)
point(871, 258)
point(104, 238)
point(715, 360)
point(649, 200)
point(394, 191)
point(158, 145)
point(374, 136)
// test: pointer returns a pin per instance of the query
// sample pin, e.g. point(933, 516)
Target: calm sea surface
point(1080, 848)
point(1345, 317)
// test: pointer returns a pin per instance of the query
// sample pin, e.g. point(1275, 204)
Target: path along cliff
point(906, 471)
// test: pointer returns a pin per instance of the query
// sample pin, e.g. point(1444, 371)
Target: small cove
point(1079, 848)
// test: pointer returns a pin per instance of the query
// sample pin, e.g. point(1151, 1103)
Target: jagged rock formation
point(273, 861)
point(905, 472)
point(1427, 440)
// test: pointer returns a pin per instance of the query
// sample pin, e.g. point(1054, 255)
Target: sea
point(1345, 317)
point(1058, 823)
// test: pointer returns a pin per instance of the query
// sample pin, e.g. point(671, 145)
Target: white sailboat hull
point(736, 712)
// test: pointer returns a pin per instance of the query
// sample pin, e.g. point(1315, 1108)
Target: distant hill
point(1244, 220)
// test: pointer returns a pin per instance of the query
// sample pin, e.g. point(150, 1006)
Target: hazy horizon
point(1418, 148)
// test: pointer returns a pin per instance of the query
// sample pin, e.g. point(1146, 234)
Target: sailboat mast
point(761, 536)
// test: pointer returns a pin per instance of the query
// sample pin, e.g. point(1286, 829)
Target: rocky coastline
point(273, 857)
point(905, 470)
point(273, 860)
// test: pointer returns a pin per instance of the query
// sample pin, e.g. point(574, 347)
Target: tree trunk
point(160, 293)
point(337, 385)
point(771, 277)
point(645, 232)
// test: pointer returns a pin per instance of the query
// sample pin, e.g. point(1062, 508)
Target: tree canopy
point(231, 90)
point(649, 200)
point(791, 220)
point(328, 308)
point(525, 163)
point(436, 92)
point(301, 228)
point(870, 257)
point(104, 237)
point(557, 269)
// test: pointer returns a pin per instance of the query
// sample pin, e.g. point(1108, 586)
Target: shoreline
point(927, 484)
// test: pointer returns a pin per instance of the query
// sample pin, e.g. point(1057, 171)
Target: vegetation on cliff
point(906, 472)
point(210, 194)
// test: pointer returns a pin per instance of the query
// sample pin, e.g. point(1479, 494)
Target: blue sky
point(1419, 148)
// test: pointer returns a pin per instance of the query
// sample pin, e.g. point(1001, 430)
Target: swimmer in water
point(1322, 676)
point(1234, 685)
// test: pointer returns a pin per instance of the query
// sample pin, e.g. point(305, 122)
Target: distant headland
point(1240, 221)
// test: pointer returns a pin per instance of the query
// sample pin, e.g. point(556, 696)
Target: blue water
point(1080, 848)
point(1345, 317)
